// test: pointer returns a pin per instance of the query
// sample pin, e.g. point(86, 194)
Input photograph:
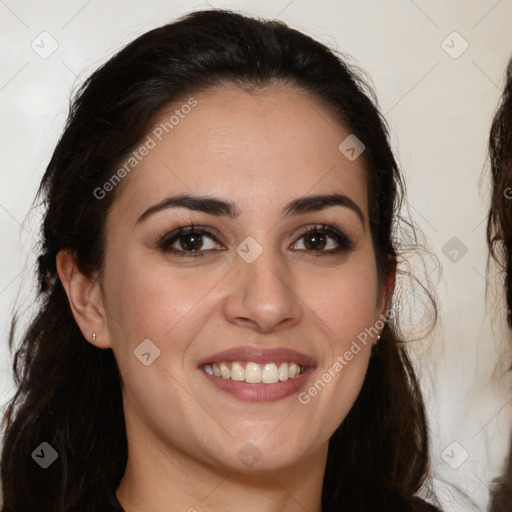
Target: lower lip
point(259, 392)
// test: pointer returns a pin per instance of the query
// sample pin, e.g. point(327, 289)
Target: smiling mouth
point(254, 373)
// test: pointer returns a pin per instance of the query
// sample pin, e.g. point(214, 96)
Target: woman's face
point(247, 287)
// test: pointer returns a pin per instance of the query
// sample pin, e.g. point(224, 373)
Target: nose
point(262, 295)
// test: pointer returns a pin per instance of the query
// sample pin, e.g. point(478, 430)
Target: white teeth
point(253, 373)
point(270, 375)
point(224, 370)
point(283, 372)
point(294, 370)
point(237, 372)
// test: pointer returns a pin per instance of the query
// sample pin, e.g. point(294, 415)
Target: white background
point(439, 109)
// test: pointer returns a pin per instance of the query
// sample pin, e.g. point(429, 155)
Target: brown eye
point(315, 241)
point(191, 242)
point(324, 240)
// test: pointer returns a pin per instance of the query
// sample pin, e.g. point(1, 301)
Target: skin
point(260, 150)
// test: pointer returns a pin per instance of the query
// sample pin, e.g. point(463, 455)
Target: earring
point(378, 337)
point(93, 336)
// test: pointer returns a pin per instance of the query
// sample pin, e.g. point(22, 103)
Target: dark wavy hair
point(378, 457)
point(499, 239)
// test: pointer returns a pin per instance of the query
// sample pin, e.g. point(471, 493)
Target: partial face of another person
point(261, 287)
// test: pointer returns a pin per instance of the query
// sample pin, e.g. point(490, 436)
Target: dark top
point(419, 506)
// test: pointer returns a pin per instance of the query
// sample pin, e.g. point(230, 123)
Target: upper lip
point(260, 356)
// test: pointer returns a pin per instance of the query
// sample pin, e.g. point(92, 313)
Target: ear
point(386, 289)
point(85, 300)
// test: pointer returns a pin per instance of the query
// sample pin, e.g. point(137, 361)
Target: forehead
point(270, 145)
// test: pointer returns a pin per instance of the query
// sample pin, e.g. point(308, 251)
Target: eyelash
point(345, 243)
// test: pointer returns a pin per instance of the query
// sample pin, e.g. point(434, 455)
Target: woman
point(216, 280)
point(499, 237)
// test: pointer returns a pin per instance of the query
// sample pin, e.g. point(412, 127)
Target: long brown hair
point(499, 239)
point(378, 457)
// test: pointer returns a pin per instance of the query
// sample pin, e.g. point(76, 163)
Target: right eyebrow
point(209, 205)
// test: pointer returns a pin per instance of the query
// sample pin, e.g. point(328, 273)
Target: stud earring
point(378, 337)
point(93, 336)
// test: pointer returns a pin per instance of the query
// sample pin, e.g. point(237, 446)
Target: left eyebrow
point(321, 202)
point(219, 207)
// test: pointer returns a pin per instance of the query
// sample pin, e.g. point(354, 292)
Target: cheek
point(344, 305)
point(345, 301)
point(154, 302)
